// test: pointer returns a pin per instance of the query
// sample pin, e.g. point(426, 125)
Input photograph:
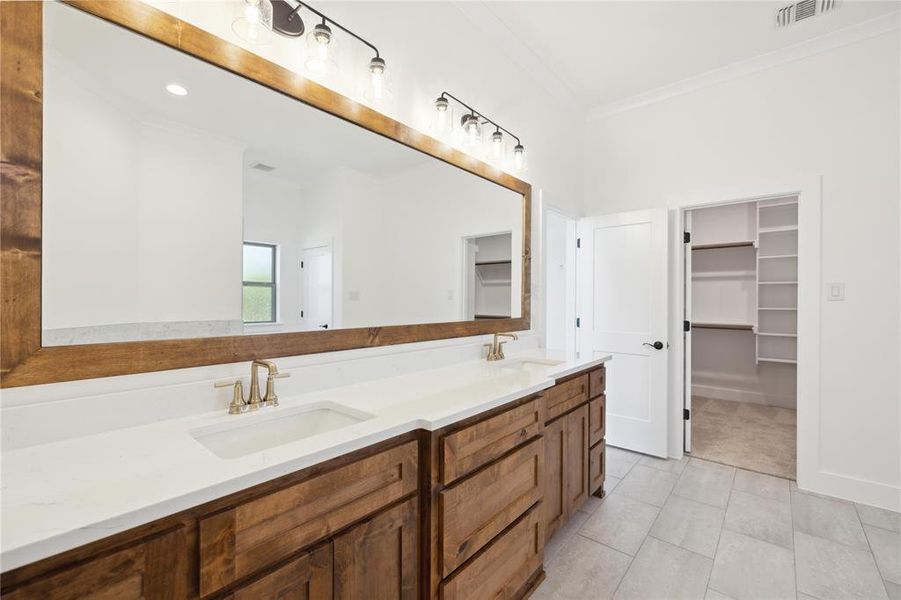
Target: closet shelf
point(781, 203)
point(732, 326)
point(492, 316)
point(788, 308)
point(724, 274)
point(785, 335)
point(741, 244)
point(493, 262)
point(779, 229)
point(777, 283)
point(778, 256)
point(788, 361)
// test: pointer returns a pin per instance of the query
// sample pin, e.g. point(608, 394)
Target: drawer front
point(505, 569)
point(467, 449)
point(565, 396)
point(597, 382)
point(597, 467)
point(308, 577)
point(597, 419)
point(152, 570)
point(476, 509)
point(245, 539)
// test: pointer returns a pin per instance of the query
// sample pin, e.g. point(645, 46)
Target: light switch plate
point(835, 292)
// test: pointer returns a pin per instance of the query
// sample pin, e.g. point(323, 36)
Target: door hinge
point(578, 322)
point(301, 264)
point(686, 237)
point(686, 414)
point(578, 242)
point(301, 314)
point(686, 325)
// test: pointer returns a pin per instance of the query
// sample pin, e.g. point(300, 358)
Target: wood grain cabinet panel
point(597, 382)
point(565, 396)
point(576, 461)
point(379, 559)
point(597, 468)
point(597, 414)
point(554, 501)
point(467, 449)
point(308, 577)
point(249, 537)
point(155, 569)
point(479, 507)
point(507, 568)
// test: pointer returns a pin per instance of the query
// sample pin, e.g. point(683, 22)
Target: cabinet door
point(379, 559)
point(554, 501)
point(576, 459)
point(308, 577)
point(148, 570)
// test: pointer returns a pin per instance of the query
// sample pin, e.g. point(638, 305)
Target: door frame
point(808, 189)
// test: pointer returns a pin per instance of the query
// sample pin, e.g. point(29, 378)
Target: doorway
point(741, 334)
point(316, 273)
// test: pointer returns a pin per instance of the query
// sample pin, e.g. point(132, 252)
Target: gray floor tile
point(621, 523)
point(706, 482)
point(568, 530)
point(767, 520)
point(689, 524)
point(893, 590)
point(620, 461)
point(583, 569)
point(793, 486)
point(593, 502)
point(827, 570)
point(748, 568)
point(647, 485)
point(765, 486)
point(661, 570)
point(715, 595)
point(886, 548)
point(806, 597)
point(879, 517)
point(829, 519)
point(670, 465)
point(714, 466)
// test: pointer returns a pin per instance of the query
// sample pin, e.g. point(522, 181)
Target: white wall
point(836, 115)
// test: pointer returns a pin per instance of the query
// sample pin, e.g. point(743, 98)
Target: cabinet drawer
point(505, 568)
point(245, 539)
point(597, 467)
point(476, 509)
point(467, 449)
point(308, 577)
point(597, 417)
point(597, 382)
point(565, 396)
point(154, 569)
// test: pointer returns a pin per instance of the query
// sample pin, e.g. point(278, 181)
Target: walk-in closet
point(742, 305)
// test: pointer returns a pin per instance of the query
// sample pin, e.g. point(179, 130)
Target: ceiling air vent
point(791, 14)
point(262, 167)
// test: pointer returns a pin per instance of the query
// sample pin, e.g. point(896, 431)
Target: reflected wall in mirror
point(181, 201)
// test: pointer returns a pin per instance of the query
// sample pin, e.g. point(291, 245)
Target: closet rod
point(723, 245)
point(735, 326)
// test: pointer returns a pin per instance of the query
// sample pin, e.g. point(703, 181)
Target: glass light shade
point(378, 81)
point(443, 117)
point(472, 130)
point(322, 50)
point(497, 145)
point(253, 21)
point(519, 158)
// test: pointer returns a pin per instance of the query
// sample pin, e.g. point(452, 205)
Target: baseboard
point(737, 395)
point(857, 490)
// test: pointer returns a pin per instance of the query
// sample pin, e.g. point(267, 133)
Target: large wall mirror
point(181, 201)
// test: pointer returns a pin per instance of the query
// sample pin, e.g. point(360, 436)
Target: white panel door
point(623, 312)
point(317, 288)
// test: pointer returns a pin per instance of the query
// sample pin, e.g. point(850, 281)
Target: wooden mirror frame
point(23, 361)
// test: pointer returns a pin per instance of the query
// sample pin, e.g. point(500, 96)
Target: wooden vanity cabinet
point(308, 577)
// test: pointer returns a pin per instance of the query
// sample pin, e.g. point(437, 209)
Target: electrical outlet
point(835, 292)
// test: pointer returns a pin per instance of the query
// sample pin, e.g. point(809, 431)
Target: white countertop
point(62, 495)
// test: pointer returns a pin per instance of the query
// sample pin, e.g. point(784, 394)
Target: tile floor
point(697, 529)
point(752, 436)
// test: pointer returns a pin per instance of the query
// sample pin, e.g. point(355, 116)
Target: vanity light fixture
point(176, 89)
point(321, 42)
point(253, 21)
point(472, 122)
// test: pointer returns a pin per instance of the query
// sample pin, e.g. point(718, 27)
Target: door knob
point(324, 326)
point(658, 345)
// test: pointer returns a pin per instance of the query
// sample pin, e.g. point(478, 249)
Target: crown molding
point(842, 37)
point(481, 16)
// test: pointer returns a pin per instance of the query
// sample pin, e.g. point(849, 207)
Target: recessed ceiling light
point(176, 90)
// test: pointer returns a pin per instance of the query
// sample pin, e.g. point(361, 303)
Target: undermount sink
point(528, 364)
point(255, 432)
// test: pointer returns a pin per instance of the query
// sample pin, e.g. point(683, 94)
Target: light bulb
point(442, 110)
point(497, 144)
point(253, 21)
point(321, 49)
point(519, 157)
point(377, 77)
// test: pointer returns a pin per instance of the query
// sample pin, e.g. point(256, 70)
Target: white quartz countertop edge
point(63, 495)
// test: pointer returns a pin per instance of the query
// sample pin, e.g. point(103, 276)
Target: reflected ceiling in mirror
point(182, 201)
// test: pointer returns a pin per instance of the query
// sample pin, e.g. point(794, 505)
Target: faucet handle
point(271, 398)
point(238, 404)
